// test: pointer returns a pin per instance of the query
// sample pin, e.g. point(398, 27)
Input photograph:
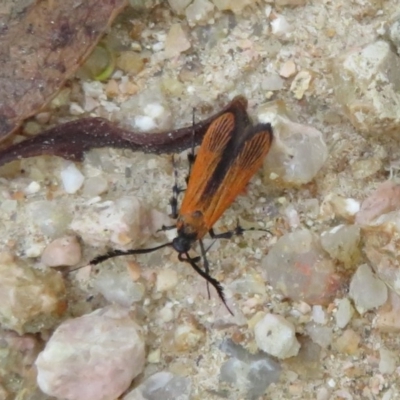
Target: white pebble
point(32, 188)
point(344, 313)
point(319, 315)
point(352, 206)
point(280, 26)
point(92, 357)
point(72, 179)
point(387, 361)
point(366, 290)
point(276, 336)
point(64, 251)
point(154, 110)
point(144, 123)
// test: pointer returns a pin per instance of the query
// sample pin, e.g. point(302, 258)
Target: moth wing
point(249, 159)
point(207, 159)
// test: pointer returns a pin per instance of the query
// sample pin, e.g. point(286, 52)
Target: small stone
point(367, 291)
point(112, 89)
point(288, 69)
point(388, 316)
point(366, 85)
point(338, 206)
point(154, 356)
point(122, 222)
point(32, 128)
point(116, 288)
point(179, 6)
point(297, 152)
point(162, 385)
point(30, 300)
point(272, 82)
point(387, 361)
point(95, 186)
point(276, 336)
point(199, 12)
point(75, 109)
point(167, 279)
point(92, 357)
point(344, 313)
point(32, 188)
point(64, 251)
point(321, 335)
point(72, 179)
point(319, 315)
point(342, 242)
point(280, 26)
point(176, 41)
point(300, 84)
point(384, 199)
point(348, 342)
point(299, 267)
point(130, 62)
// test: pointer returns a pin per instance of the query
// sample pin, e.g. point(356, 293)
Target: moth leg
point(206, 264)
point(238, 231)
point(176, 190)
point(213, 282)
point(191, 155)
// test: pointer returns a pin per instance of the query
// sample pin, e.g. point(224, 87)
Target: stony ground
point(170, 61)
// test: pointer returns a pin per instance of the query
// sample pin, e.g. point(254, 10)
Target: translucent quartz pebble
point(250, 373)
point(366, 290)
point(367, 84)
point(298, 151)
point(162, 385)
point(298, 266)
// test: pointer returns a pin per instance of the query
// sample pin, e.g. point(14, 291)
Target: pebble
point(280, 26)
point(130, 62)
point(344, 313)
point(387, 361)
point(335, 205)
point(367, 291)
point(162, 385)
point(123, 222)
point(298, 151)
point(92, 357)
point(384, 199)
point(199, 12)
point(321, 335)
point(288, 69)
point(388, 316)
point(179, 6)
point(72, 179)
point(116, 288)
point(176, 41)
point(367, 88)
point(319, 315)
point(342, 243)
point(30, 300)
point(276, 336)
point(348, 342)
point(64, 251)
point(95, 186)
point(300, 84)
point(251, 373)
point(299, 267)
